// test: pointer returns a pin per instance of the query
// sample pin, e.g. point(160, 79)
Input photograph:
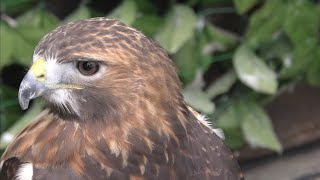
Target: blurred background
point(252, 66)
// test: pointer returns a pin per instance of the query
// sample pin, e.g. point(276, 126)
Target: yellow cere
point(38, 69)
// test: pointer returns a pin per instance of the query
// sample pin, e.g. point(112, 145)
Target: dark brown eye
point(88, 67)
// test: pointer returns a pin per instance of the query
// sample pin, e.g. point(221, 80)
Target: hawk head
point(95, 68)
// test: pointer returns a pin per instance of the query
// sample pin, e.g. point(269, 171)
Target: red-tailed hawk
point(115, 111)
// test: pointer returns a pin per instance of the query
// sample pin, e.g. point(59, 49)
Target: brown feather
point(134, 123)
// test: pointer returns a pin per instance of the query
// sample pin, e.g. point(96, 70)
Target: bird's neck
point(143, 131)
point(137, 129)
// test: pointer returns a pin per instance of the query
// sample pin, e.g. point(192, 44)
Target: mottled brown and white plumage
point(128, 120)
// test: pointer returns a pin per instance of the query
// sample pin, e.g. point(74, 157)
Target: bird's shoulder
point(203, 153)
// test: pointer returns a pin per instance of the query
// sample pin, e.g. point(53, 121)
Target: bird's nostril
point(40, 76)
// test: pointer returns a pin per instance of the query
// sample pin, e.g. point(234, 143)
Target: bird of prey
point(114, 111)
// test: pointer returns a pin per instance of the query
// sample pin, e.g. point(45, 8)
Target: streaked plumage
point(126, 121)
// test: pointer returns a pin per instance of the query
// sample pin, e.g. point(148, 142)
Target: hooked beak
point(32, 84)
point(30, 88)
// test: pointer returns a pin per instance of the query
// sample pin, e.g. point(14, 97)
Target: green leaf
point(38, 17)
point(257, 127)
point(313, 73)
point(186, 61)
point(178, 28)
point(298, 63)
point(222, 38)
point(81, 13)
point(301, 26)
point(222, 85)
point(31, 27)
point(30, 18)
point(233, 138)
point(7, 44)
point(230, 118)
point(198, 100)
point(145, 6)
point(34, 110)
point(30, 35)
point(17, 6)
point(148, 24)
point(202, 50)
point(14, 49)
point(243, 6)
point(253, 72)
point(195, 97)
point(302, 23)
point(23, 50)
point(9, 107)
point(265, 23)
point(126, 12)
point(230, 121)
point(280, 49)
point(34, 24)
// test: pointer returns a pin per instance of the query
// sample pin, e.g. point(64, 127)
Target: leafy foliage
point(177, 29)
point(257, 128)
point(280, 44)
point(253, 72)
point(243, 5)
point(125, 12)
